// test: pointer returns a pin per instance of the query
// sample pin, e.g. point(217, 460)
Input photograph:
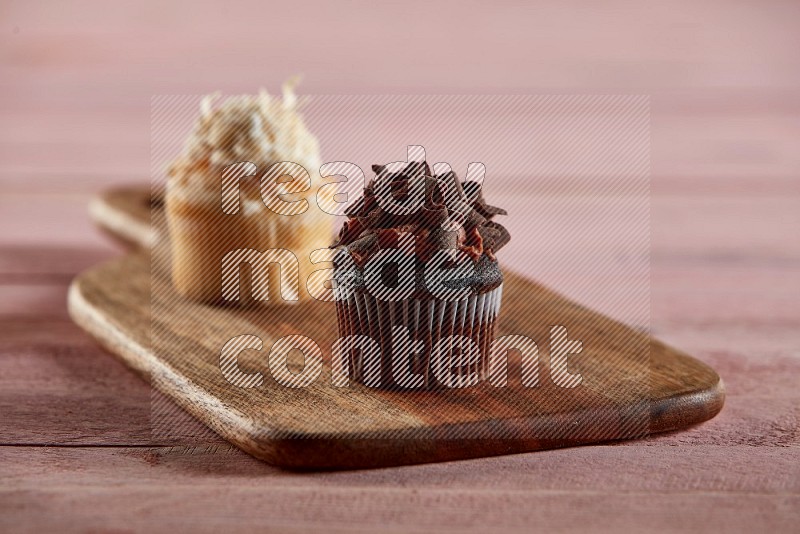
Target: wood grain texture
point(57, 387)
point(633, 385)
point(124, 215)
point(206, 489)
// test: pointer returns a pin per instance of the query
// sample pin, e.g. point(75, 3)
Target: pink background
point(76, 79)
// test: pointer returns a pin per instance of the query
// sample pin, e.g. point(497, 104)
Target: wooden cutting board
point(632, 385)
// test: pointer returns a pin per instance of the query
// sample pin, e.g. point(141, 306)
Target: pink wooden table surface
point(76, 452)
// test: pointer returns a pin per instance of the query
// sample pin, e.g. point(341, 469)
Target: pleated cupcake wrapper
point(427, 321)
point(206, 244)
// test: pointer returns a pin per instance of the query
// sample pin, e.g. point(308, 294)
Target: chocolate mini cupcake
point(418, 287)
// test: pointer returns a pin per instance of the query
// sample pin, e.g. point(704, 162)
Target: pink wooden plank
point(553, 490)
point(41, 220)
point(582, 470)
point(58, 387)
point(741, 144)
point(41, 301)
point(25, 263)
point(545, 46)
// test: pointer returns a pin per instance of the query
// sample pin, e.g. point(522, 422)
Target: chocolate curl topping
point(453, 215)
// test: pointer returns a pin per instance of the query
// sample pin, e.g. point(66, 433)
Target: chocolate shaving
point(454, 215)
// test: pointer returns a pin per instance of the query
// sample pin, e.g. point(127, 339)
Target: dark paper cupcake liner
point(419, 361)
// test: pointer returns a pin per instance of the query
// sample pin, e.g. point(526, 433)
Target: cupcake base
point(202, 236)
point(424, 344)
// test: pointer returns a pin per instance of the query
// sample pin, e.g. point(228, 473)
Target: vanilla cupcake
point(427, 323)
point(213, 232)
